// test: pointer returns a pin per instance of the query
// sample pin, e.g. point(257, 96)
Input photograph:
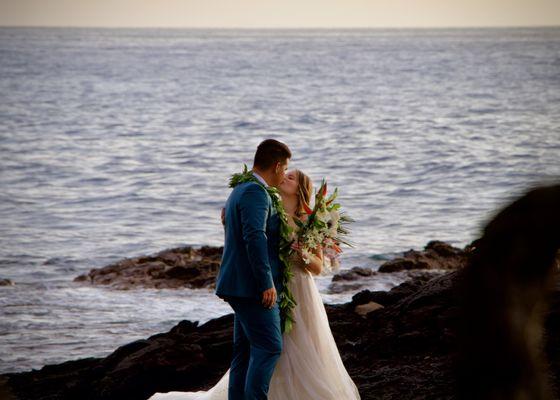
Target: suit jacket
point(250, 261)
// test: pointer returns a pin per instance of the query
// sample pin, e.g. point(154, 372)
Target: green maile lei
point(287, 301)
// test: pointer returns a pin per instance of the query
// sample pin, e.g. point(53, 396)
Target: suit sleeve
point(254, 210)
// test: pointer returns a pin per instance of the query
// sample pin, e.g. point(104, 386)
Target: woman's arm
point(315, 265)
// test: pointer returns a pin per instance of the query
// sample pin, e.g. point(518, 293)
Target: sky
point(280, 13)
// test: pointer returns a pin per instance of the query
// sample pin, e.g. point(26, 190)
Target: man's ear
point(277, 167)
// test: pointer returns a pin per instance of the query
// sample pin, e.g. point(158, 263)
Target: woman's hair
point(304, 192)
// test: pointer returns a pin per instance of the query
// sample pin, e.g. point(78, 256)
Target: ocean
point(120, 142)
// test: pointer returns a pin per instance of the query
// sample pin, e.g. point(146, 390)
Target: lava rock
point(436, 255)
point(6, 282)
point(353, 274)
point(171, 268)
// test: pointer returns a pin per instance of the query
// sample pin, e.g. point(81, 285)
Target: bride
point(309, 367)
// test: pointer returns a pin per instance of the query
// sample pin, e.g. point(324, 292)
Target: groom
point(250, 274)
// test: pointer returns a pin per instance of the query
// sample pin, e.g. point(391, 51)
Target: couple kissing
point(283, 348)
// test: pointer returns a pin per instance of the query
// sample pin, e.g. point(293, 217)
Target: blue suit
point(250, 265)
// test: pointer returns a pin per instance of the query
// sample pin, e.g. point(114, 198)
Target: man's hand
point(269, 297)
point(223, 216)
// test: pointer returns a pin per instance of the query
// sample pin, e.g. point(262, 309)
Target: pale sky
point(280, 13)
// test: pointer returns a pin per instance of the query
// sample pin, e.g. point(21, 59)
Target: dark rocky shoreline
point(404, 349)
point(192, 357)
point(399, 343)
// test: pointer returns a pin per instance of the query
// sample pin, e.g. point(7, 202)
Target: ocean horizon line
point(287, 28)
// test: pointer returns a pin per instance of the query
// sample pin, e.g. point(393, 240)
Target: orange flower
point(308, 210)
point(336, 248)
point(324, 190)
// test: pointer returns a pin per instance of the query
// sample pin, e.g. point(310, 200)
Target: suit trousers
point(257, 344)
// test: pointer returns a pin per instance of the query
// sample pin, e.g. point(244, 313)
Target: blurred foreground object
point(505, 298)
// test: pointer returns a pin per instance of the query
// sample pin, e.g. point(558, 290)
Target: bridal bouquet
point(325, 227)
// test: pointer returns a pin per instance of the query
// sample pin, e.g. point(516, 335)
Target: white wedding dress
point(310, 367)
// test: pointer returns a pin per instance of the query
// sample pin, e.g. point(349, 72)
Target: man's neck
point(260, 178)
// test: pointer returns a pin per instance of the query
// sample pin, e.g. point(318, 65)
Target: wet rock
point(352, 281)
point(436, 255)
point(387, 298)
point(364, 309)
point(6, 282)
point(436, 258)
point(353, 274)
point(171, 268)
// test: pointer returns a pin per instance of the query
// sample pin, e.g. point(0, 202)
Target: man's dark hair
point(269, 152)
